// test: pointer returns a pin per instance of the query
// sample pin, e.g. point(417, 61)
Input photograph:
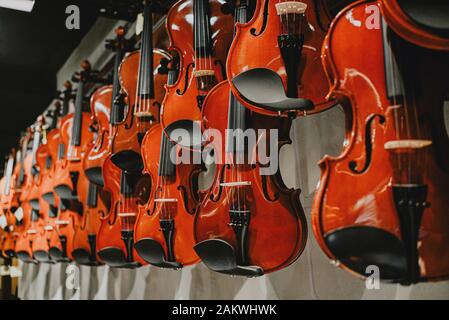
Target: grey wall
point(310, 277)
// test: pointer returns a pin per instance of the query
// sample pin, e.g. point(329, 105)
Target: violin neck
point(78, 116)
point(120, 53)
point(146, 80)
point(65, 102)
point(36, 142)
point(166, 166)
point(9, 168)
point(201, 29)
point(237, 113)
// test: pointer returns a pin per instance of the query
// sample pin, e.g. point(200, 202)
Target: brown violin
point(249, 223)
point(424, 23)
point(274, 62)
point(163, 231)
point(143, 89)
point(40, 207)
point(104, 109)
point(30, 217)
point(116, 235)
point(382, 202)
point(202, 46)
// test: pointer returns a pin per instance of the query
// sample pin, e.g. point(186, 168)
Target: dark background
point(33, 46)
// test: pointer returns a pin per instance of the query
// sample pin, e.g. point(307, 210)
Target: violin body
point(61, 241)
point(274, 232)
point(357, 217)
point(257, 45)
point(26, 236)
point(182, 193)
point(112, 249)
point(414, 22)
point(66, 183)
point(100, 148)
point(129, 133)
point(181, 100)
point(84, 249)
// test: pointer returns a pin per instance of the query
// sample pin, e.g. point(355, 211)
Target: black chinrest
point(263, 88)
point(361, 246)
point(83, 257)
point(43, 256)
point(128, 160)
point(186, 133)
point(25, 257)
point(431, 14)
point(65, 192)
point(49, 198)
point(116, 258)
point(95, 175)
point(152, 252)
point(57, 255)
point(219, 256)
point(10, 253)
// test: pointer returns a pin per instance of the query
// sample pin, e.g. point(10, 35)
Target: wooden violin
point(30, 216)
point(382, 202)
point(424, 23)
point(163, 231)
point(47, 213)
point(249, 223)
point(115, 239)
point(274, 63)
point(201, 46)
point(105, 107)
point(143, 90)
point(70, 182)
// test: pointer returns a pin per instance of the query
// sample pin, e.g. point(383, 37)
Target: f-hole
point(353, 166)
point(265, 21)
point(186, 80)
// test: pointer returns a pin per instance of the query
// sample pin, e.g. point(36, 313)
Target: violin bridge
point(126, 214)
point(62, 222)
point(235, 184)
point(290, 7)
point(407, 144)
point(143, 114)
point(31, 231)
point(166, 200)
point(203, 73)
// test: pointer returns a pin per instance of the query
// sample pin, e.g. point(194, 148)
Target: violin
point(7, 218)
point(70, 182)
point(424, 23)
point(143, 91)
point(202, 47)
point(115, 239)
point(44, 212)
point(105, 109)
point(395, 154)
point(30, 217)
point(249, 223)
point(163, 230)
point(84, 247)
point(75, 137)
point(274, 62)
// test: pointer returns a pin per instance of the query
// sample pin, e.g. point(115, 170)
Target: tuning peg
point(120, 31)
point(67, 85)
point(85, 65)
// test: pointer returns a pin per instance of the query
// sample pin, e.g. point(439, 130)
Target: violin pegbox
point(291, 7)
